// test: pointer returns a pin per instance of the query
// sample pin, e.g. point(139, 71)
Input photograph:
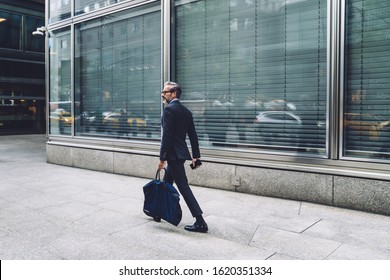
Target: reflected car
point(279, 127)
point(279, 105)
point(365, 125)
point(62, 119)
point(88, 117)
point(118, 120)
point(87, 120)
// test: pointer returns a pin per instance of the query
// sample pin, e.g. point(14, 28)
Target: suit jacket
point(177, 123)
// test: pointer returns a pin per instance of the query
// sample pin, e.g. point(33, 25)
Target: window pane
point(10, 28)
point(118, 64)
point(60, 117)
point(254, 72)
point(20, 114)
point(17, 69)
point(59, 10)
point(34, 43)
point(85, 6)
point(367, 90)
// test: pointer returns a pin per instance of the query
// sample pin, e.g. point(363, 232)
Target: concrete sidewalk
point(55, 212)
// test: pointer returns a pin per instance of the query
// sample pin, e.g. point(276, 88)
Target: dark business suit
point(177, 123)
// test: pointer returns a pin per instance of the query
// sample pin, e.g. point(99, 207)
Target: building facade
point(22, 71)
point(290, 97)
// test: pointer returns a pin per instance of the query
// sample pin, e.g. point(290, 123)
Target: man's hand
point(161, 165)
point(194, 163)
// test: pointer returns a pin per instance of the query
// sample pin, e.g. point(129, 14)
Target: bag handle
point(158, 174)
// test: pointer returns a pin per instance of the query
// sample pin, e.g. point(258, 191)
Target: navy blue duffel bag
point(162, 201)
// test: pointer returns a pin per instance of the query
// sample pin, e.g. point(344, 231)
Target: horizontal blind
point(254, 72)
point(367, 92)
point(118, 76)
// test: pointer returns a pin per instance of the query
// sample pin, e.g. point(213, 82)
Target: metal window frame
point(341, 139)
point(333, 163)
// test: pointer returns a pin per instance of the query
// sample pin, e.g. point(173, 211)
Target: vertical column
point(166, 40)
point(335, 77)
point(72, 86)
point(47, 68)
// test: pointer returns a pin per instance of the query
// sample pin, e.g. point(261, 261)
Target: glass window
point(85, 6)
point(59, 10)
point(34, 43)
point(60, 118)
point(10, 30)
point(22, 108)
point(20, 114)
point(254, 72)
point(118, 75)
point(367, 80)
point(17, 69)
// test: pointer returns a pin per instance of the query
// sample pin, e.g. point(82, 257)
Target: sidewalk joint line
point(271, 256)
point(333, 251)
point(300, 207)
point(253, 235)
point(311, 226)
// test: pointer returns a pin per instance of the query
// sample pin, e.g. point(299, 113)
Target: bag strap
point(158, 174)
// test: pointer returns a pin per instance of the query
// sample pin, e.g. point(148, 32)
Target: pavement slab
point(53, 212)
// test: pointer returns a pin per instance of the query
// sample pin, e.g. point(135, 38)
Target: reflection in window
point(34, 43)
point(59, 10)
point(18, 114)
point(10, 30)
point(60, 118)
point(86, 6)
point(367, 81)
point(17, 69)
point(118, 66)
point(254, 72)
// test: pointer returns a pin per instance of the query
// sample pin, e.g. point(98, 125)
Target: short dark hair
point(175, 87)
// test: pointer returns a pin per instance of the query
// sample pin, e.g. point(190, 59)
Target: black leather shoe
point(157, 219)
point(197, 227)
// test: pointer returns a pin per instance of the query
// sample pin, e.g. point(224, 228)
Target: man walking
point(177, 123)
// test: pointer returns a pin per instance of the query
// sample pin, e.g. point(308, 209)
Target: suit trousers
point(176, 173)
